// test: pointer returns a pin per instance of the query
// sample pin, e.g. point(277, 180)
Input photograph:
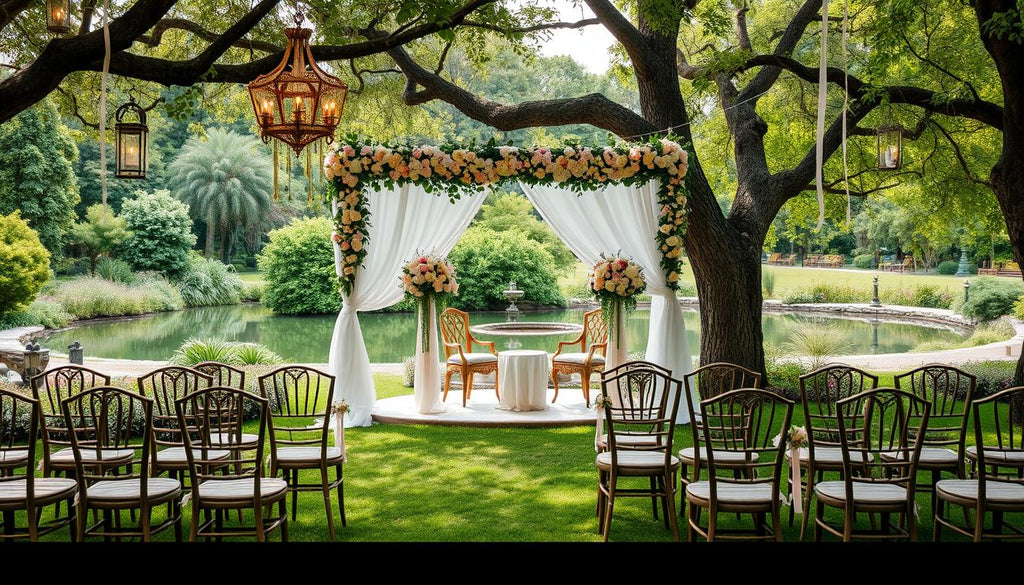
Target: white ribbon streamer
point(822, 97)
point(103, 101)
point(846, 101)
point(599, 426)
point(795, 487)
point(339, 433)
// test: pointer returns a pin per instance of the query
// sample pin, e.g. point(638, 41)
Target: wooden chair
point(706, 382)
point(949, 390)
point(459, 356)
point(774, 258)
point(874, 422)
point(820, 393)
point(637, 400)
point(740, 425)
point(222, 374)
point(593, 343)
point(165, 386)
point(628, 437)
point(107, 418)
point(997, 489)
point(906, 265)
point(202, 413)
point(300, 400)
point(789, 260)
point(50, 388)
point(20, 489)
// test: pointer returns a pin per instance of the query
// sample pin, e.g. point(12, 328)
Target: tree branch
point(535, 28)
point(11, 9)
point(156, 36)
point(942, 69)
point(741, 28)
point(960, 157)
point(618, 25)
point(766, 77)
point(88, 9)
point(982, 111)
point(594, 109)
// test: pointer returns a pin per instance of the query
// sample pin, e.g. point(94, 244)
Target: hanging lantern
point(297, 102)
point(890, 148)
point(58, 16)
point(131, 142)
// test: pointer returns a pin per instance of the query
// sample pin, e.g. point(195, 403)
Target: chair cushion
point(628, 440)
point(829, 455)
point(310, 455)
point(933, 456)
point(176, 455)
point(995, 491)
point(14, 456)
point(862, 492)
point(732, 493)
point(226, 490)
point(159, 488)
point(721, 457)
point(46, 488)
point(474, 358)
point(229, 439)
point(997, 455)
point(66, 455)
point(578, 358)
point(636, 460)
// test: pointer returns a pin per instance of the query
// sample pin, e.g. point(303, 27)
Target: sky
point(588, 46)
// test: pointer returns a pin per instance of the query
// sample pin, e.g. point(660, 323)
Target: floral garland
point(352, 166)
point(426, 278)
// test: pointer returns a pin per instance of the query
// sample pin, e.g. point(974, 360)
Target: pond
point(390, 337)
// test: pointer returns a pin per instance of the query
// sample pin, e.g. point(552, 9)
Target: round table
point(523, 379)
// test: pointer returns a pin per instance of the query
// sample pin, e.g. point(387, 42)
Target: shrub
point(24, 263)
point(115, 270)
point(991, 298)
point(13, 319)
point(827, 292)
point(156, 284)
point(768, 282)
point(409, 371)
point(485, 261)
point(161, 233)
point(49, 314)
point(992, 376)
point(919, 295)
point(865, 261)
point(100, 233)
point(298, 265)
point(89, 297)
point(1018, 308)
point(207, 282)
point(251, 291)
point(948, 267)
point(984, 334)
point(195, 351)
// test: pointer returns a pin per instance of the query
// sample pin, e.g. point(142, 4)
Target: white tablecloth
point(523, 379)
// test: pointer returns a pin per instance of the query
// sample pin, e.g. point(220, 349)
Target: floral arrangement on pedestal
point(352, 165)
point(616, 282)
point(427, 278)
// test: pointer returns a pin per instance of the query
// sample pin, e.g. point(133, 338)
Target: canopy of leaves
point(24, 263)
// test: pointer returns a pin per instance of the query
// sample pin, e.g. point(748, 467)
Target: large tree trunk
point(210, 227)
point(1008, 174)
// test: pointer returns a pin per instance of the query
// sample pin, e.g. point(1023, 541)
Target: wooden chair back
point(881, 438)
point(643, 399)
point(949, 391)
point(222, 374)
point(999, 438)
point(51, 388)
point(820, 393)
point(19, 429)
point(746, 424)
point(455, 329)
point(165, 386)
point(299, 399)
point(595, 330)
point(206, 414)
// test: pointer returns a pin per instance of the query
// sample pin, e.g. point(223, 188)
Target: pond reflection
point(390, 337)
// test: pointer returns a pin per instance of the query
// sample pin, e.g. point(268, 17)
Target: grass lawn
point(423, 483)
point(252, 277)
point(788, 278)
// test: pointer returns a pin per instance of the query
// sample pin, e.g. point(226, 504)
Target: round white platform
point(482, 410)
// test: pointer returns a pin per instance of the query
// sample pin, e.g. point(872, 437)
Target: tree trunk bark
point(224, 235)
point(210, 226)
point(1008, 174)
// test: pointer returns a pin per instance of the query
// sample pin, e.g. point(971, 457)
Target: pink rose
point(336, 237)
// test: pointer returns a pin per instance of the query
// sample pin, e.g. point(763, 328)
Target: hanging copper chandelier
point(297, 103)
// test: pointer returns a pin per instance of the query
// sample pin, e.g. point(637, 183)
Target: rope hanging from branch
point(103, 100)
point(276, 164)
point(822, 97)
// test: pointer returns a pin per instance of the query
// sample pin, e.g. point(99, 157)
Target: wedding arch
point(629, 198)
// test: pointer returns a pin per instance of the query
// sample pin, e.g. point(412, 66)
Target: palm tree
point(226, 180)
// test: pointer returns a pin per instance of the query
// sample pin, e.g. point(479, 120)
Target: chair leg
point(609, 508)
point(937, 512)
point(467, 386)
point(295, 494)
point(670, 514)
point(585, 379)
point(447, 384)
point(497, 394)
point(654, 498)
point(284, 521)
point(554, 382)
point(338, 470)
point(327, 502)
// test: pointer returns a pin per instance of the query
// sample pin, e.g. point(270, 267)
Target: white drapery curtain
point(622, 218)
point(404, 221)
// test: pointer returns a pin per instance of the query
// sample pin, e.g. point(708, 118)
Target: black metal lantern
point(890, 148)
point(58, 16)
point(131, 142)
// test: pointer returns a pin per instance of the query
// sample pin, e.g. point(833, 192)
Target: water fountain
point(513, 328)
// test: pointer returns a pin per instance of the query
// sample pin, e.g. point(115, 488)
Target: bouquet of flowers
point(796, 438)
point(425, 278)
point(616, 282)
